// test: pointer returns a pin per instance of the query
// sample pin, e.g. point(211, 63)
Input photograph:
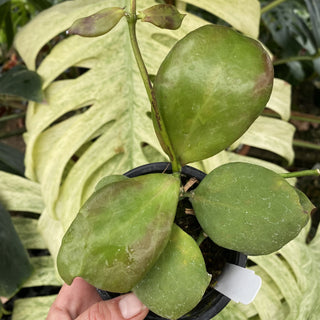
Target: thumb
point(122, 308)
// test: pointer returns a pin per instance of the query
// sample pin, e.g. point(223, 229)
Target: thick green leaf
point(178, 280)
point(22, 83)
point(249, 208)
point(142, 211)
point(226, 156)
point(11, 159)
point(210, 88)
point(15, 267)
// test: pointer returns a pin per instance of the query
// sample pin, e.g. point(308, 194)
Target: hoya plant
point(208, 91)
point(96, 123)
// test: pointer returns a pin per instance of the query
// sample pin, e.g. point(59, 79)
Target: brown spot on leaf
point(119, 150)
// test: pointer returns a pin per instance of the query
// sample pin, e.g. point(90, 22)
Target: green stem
point(305, 144)
point(12, 116)
point(271, 5)
point(132, 19)
point(303, 173)
point(304, 117)
point(133, 6)
point(296, 58)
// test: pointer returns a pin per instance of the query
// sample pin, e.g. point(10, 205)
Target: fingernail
point(130, 306)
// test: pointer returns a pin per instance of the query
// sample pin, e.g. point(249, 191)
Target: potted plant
point(215, 257)
point(209, 89)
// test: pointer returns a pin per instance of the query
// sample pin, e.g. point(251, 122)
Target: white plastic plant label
point(239, 284)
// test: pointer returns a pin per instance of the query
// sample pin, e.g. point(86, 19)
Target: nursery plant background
point(88, 116)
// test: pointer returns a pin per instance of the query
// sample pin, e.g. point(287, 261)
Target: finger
point(122, 308)
point(73, 300)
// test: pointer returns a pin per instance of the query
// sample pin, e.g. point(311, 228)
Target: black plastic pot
point(212, 302)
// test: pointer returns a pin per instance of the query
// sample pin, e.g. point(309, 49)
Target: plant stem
point(12, 116)
point(133, 7)
point(303, 173)
point(296, 58)
point(306, 144)
point(271, 5)
point(132, 19)
point(304, 117)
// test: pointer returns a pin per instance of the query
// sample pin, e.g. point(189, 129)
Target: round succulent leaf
point(121, 231)
point(210, 88)
point(177, 281)
point(248, 208)
point(97, 24)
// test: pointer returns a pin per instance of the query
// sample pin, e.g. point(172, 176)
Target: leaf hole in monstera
point(206, 15)
point(262, 154)
point(24, 214)
point(72, 113)
point(38, 252)
point(47, 47)
point(72, 72)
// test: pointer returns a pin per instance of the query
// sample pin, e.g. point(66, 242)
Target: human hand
point(81, 301)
